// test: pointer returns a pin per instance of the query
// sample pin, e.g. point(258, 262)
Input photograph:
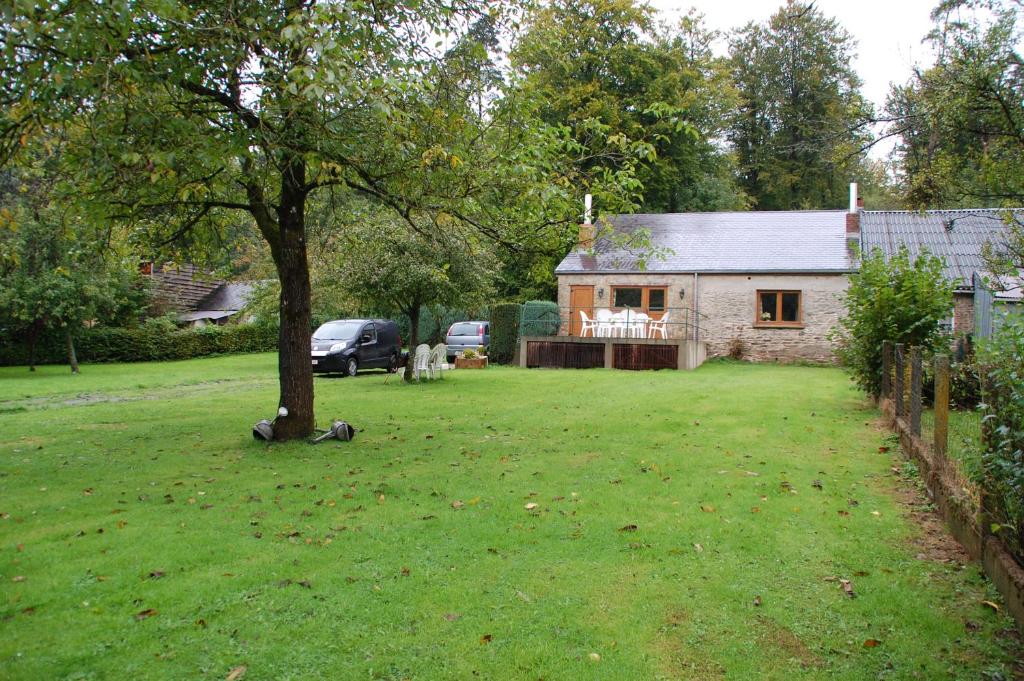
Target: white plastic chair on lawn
point(436, 361)
point(421, 361)
point(659, 326)
point(603, 318)
point(588, 325)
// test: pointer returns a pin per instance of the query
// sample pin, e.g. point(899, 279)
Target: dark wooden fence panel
point(555, 355)
point(641, 357)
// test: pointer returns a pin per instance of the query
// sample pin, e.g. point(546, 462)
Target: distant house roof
point(957, 236)
point(228, 296)
point(181, 287)
point(769, 241)
point(212, 315)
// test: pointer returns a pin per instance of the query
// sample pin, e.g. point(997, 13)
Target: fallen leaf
point(843, 512)
point(992, 605)
point(143, 614)
point(156, 574)
point(816, 484)
point(707, 508)
point(457, 504)
point(847, 587)
point(236, 673)
point(121, 524)
point(699, 548)
point(523, 597)
point(861, 573)
point(451, 616)
point(883, 449)
point(757, 601)
point(18, 578)
point(474, 501)
point(87, 491)
point(628, 528)
point(872, 643)
point(405, 572)
point(755, 509)
point(485, 639)
point(530, 506)
point(594, 657)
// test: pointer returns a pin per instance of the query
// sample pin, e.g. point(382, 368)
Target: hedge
point(540, 318)
point(504, 332)
point(146, 343)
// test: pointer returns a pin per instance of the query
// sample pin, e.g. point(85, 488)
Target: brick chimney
point(585, 240)
point(853, 224)
point(853, 216)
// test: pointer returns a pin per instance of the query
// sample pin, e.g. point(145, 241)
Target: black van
point(348, 345)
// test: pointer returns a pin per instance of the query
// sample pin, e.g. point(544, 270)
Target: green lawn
point(687, 526)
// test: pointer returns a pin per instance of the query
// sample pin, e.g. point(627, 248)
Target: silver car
point(471, 335)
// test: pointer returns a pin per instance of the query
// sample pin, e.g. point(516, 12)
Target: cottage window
point(779, 308)
point(642, 298)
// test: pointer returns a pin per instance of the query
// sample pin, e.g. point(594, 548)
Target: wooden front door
point(580, 298)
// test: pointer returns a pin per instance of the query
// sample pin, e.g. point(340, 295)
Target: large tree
point(612, 61)
point(799, 131)
point(960, 123)
point(178, 112)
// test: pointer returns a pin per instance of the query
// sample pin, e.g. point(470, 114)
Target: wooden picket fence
point(901, 400)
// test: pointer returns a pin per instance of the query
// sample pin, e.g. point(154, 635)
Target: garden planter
point(475, 363)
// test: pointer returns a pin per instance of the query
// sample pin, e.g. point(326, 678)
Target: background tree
point(799, 131)
point(960, 123)
point(56, 271)
point(180, 112)
point(899, 300)
point(612, 61)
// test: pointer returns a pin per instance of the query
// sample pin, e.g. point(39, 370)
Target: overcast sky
point(888, 33)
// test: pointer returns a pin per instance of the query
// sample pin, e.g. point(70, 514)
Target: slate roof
point(958, 236)
point(228, 296)
point(768, 241)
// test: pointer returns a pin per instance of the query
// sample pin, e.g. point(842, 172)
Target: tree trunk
point(72, 357)
point(33, 339)
point(295, 367)
point(414, 326)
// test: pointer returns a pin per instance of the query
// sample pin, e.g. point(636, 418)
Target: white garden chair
point(605, 325)
point(435, 362)
point(659, 326)
point(421, 361)
point(588, 325)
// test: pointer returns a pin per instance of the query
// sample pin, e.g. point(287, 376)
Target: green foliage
point(901, 301)
point(799, 128)
point(57, 269)
point(540, 318)
point(504, 331)
point(152, 341)
point(611, 61)
point(1001, 362)
point(961, 122)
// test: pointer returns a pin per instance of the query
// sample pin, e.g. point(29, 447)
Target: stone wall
point(728, 305)
point(727, 309)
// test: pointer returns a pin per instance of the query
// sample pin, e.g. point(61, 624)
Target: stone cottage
point(757, 285)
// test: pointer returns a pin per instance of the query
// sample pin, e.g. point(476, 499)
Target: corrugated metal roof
point(957, 236)
point(769, 241)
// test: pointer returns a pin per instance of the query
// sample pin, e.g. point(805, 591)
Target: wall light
point(682, 293)
point(600, 292)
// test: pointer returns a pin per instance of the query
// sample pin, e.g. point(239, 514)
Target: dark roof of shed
point(768, 241)
point(958, 236)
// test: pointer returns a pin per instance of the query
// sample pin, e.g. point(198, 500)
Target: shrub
point(469, 353)
point(737, 348)
point(540, 318)
point(1001, 364)
point(149, 342)
point(504, 332)
point(898, 300)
